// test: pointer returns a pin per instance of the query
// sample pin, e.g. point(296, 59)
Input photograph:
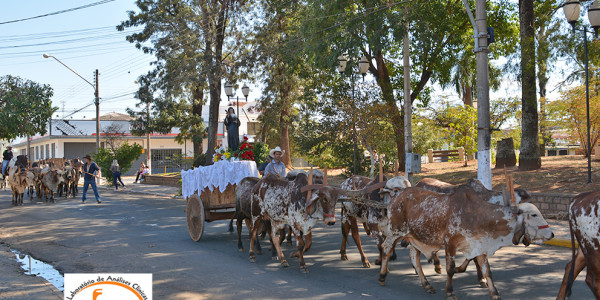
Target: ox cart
point(210, 192)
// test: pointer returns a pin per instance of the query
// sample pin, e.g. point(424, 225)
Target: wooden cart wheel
point(195, 217)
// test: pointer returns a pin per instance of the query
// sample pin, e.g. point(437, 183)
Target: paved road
point(148, 234)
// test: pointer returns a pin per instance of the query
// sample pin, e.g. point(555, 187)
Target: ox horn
point(311, 187)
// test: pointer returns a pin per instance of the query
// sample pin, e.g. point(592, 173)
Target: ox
point(17, 178)
point(69, 174)
point(490, 196)
point(285, 202)
point(353, 213)
point(460, 221)
point(584, 221)
point(77, 165)
point(2, 182)
point(243, 203)
point(51, 180)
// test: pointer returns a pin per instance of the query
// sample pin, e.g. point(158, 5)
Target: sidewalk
point(16, 285)
point(140, 188)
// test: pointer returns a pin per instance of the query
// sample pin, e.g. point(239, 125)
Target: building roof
point(114, 116)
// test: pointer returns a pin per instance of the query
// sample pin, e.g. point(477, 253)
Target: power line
point(58, 12)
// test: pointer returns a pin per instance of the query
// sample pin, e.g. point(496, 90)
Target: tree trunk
point(384, 82)
point(284, 125)
point(198, 95)
point(467, 95)
point(214, 59)
point(505, 153)
point(529, 158)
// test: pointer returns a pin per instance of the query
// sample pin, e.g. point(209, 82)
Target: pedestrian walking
point(116, 172)
point(7, 155)
point(90, 172)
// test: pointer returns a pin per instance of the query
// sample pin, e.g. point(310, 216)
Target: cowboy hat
point(88, 156)
point(277, 149)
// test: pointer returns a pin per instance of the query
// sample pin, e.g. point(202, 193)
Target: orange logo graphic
point(97, 292)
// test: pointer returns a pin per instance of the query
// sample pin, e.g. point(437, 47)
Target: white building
point(76, 138)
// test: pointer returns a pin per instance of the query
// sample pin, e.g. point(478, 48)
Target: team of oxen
point(42, 178)
point(431, 216)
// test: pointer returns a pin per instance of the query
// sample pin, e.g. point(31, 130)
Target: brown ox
point(285, 202)
point(354, 213)
point(584, 221)
point(460, 221)
point(17, 178)
point(243, 203)
point(490, 196)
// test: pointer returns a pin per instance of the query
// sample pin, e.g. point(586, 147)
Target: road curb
point(560, 243)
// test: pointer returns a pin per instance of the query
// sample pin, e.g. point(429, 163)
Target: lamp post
point(246, 92)
point(363, 67)
point(96, 96)
point(572, 9)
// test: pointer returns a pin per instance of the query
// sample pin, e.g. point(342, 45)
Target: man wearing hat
point(7, 155)
point(90, 172)
point(276, 166)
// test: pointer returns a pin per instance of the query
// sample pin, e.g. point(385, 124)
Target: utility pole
point(408, 147)
point(148, 137)
point(484, 159)
point(97, 101)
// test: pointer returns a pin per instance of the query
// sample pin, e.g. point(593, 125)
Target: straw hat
point(277, 149)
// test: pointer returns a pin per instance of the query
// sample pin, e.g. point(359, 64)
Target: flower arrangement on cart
point(246, 152)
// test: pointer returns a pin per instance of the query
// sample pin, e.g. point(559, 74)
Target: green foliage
point(569, 112)
point(426, 135)
point(192, 43)
point(200, 160)
point(459, 123)
point(125, 155)
point(261, 152)
point(25, 107)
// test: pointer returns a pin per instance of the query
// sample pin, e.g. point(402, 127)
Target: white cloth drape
point(219, 175)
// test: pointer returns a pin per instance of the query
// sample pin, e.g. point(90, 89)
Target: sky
point(85, 39)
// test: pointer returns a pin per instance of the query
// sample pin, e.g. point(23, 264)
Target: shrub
point(125, 155)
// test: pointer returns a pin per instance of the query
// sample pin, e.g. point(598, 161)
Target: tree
point(124, 153)
point(547, 33)
point(375, 29)
point(278, 68)
point(25, 107)
point(569, 112)
point(189, 40)
point(459, 123)
point(529, 157)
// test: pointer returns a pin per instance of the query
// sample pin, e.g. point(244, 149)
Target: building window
point(253, 128)
point(47, 151)
point(169, 160)
point(37, 153)
point(53, 150)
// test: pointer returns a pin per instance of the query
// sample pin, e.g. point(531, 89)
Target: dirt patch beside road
point(558, 174)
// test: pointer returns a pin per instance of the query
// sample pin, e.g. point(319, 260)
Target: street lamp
point(363, 67)
point(96, 95)
point(229, 93)
point(246, 91)
point(572, 9)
